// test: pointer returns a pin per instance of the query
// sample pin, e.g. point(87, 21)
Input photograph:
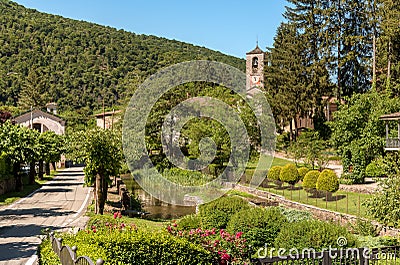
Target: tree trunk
point(389, 66)
point(374, 61)
point(47, 168)
point(53, 165)
point(101, 193)
point(291, 130)
point(17, 176)
point(32, 173)
point(40, 173)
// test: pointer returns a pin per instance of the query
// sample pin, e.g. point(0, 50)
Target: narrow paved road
point(57, 205)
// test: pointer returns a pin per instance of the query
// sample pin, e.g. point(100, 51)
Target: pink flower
point(115, 215)
point(239, 234)
point(169, 228)
point(225, 256)
point(175, 225)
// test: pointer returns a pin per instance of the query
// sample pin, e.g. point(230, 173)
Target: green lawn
point(251, 166)
point(342, 201)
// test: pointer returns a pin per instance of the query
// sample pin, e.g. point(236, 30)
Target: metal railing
point(68, 255)
point(351, 256)
point(393, 143)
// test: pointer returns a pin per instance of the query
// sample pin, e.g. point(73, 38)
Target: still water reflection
point(156, 208)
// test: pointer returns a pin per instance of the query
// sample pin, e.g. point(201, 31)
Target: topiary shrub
point(327, 181)
point(313, 234)
point(260, 226)
point(274, 173)
point(216, 214)
point(302, 172)
point(289, 174)
point(310, 181)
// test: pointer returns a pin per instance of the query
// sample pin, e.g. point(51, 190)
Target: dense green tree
point(78, 64)
point(285, 75)
point(19, 145)
point(388, 43)
point(357, 132)
point(101, 150)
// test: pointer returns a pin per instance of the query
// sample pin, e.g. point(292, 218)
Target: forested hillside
point(47, 58)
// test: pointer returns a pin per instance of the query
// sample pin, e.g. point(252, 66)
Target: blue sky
point(231, 27)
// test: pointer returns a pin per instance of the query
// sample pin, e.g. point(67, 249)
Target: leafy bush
point(186, 177)
point(128, 245)
point(283, 141)
point(274, 173)
point(5, 167)
point(374, 170)
point(302, 172)
point(383, 206)
point(310, 181)
point(289, 174)
point(188, 222)
point(327, 181)
point(313, 234)
point(364, 228)
point(216, 214)
point(293, 215)
point(260, 226)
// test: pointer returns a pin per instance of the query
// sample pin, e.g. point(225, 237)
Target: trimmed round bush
point(313, 234)
point(310, 180)
point(327, 181)
point(374, 170)
point(216, 214)
point(302, 172)
point(289, 174)
point(260, 226)
point(274, 173)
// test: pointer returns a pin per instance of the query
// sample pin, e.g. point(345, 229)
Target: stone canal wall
point(318, 213)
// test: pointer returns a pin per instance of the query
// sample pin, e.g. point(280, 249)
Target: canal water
point(156, 208)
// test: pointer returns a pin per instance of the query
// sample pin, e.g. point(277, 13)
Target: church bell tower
point(255, 69)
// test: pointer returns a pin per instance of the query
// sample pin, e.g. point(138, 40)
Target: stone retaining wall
point(318, 213)
point(7, 185)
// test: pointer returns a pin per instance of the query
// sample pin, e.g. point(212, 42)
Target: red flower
point(239, 234)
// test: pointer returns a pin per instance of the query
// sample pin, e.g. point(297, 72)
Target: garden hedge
point(313, 234)
point(216, 214)
point(260, 226)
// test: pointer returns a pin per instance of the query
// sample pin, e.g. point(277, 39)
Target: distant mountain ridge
point(77, 64)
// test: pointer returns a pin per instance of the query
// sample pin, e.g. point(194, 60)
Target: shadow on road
point(34, 212)
point(17, 250)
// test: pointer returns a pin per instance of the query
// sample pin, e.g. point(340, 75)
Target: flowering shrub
point(116, 242)
point(225, 248)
